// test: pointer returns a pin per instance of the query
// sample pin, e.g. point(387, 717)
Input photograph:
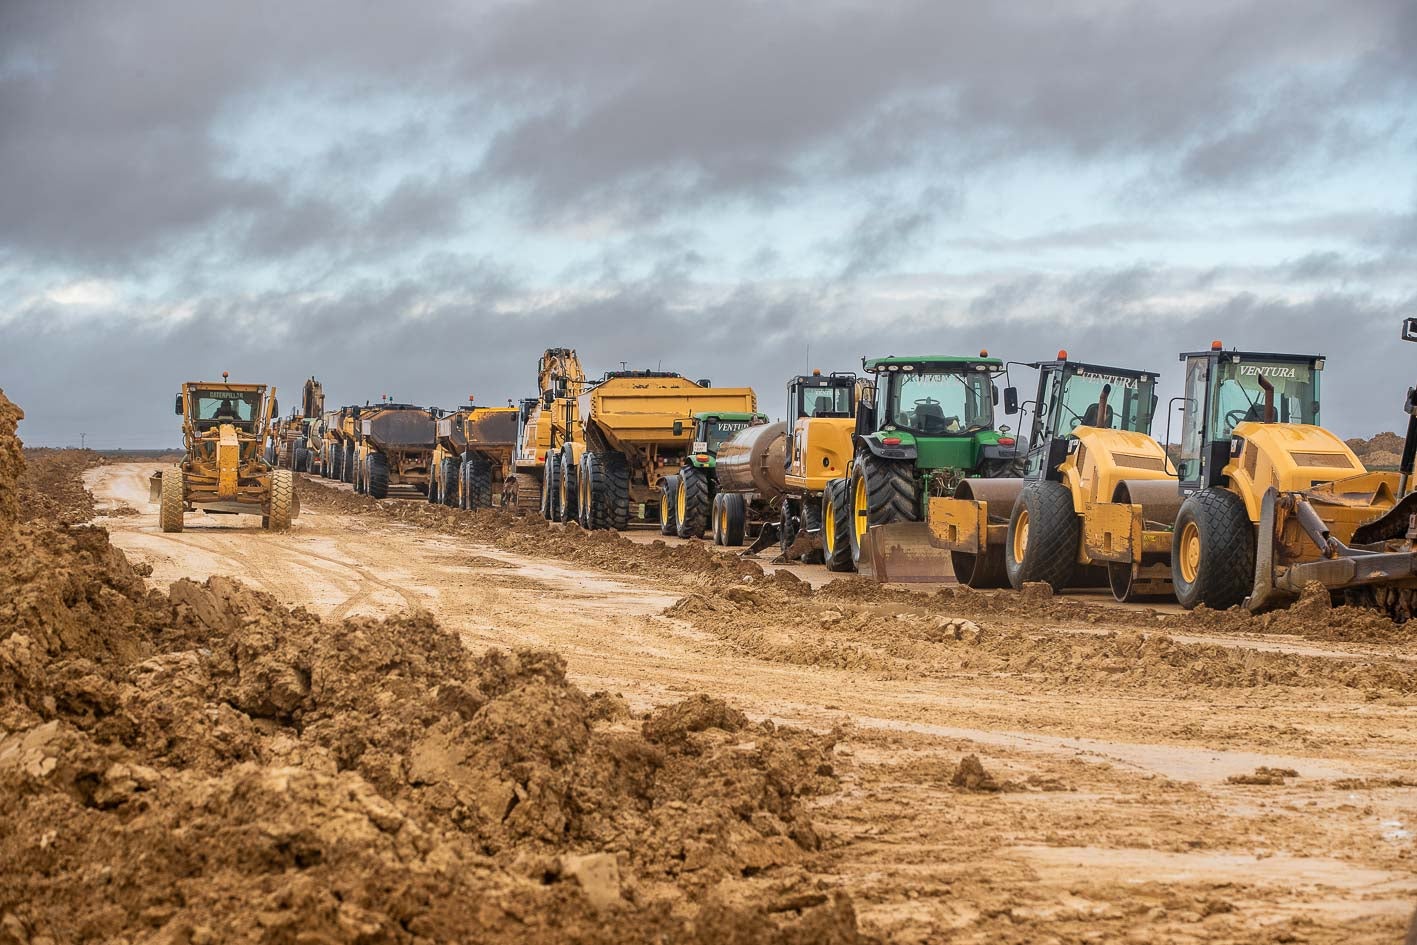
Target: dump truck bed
point(640, 411)
point(411, 429)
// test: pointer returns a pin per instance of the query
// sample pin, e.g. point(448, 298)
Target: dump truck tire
point(479, 484)
point(346, 466)
point(668, 505)
point(448, 490)
point(732, 523)
point(836, 526)
point(1213, 551)
point(302, 460)
point(282, 502)
point(1043, 536)
point(172, 503)
point(596, 513)
point(551, 489)
point(692, 508)
point(788, 528)
point(378, 475)
point(568, 502)
point(882, 492)
point(617, 489)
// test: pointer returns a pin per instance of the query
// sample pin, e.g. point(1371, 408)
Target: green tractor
point(925, 426)
point(687, 499)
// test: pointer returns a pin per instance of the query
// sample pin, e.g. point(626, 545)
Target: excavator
point(546, 424)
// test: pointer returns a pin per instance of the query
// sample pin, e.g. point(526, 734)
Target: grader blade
point(155, 487)
point(903, 553)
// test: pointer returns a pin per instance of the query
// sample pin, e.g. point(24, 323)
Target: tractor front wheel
point(669, 505)
point(882, 493)
point(1213, 551)
point(172, 502)
point(1043, 536)
point(692, 508)
point(282, 500)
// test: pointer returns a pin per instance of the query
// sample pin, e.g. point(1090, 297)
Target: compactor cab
point(225, 428)
point(821, 410)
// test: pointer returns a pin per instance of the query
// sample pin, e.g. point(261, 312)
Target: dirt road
point(1110, 810)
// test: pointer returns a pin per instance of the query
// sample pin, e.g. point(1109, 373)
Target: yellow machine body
point(821, 450)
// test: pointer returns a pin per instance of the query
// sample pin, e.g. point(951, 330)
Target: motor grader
point(632, 439)
point(544, 424)
point(473, 459)
point(924, 426)
point(223, 471)
point(1092, 470)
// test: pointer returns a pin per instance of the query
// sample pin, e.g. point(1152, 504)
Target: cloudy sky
point(416, 199)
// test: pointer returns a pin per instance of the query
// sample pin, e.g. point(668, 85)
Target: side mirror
point(178, 408)
point(1010, 400)
point(1409, 329)
point(678, 427)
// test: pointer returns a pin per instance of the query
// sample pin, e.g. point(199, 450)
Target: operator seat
point(930, 418)
point(823, 407)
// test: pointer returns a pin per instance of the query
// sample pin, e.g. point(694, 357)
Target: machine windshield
point(1239, 395)
point(226, 406)
point(718, 432)
point(942, 404)
point(1129, 404)
point(825, 401)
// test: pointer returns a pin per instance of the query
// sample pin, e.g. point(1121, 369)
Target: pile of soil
point(51, 487)
point(206, 765)
point(1383, 451)
point(1313, 615)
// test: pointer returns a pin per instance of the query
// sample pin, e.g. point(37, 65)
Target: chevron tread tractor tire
point(282, 502)
point(479, 484)
point(378, 475)
point(669, 505)
point(172, 502)
point(1213, 551)
point(836, 526)
point(692, 509)
point(1042, 540)
point(882, 492)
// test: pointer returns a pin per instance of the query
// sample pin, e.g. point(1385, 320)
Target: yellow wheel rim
point(1190, 552)
point(861, 509)
point(829, 526)
point(722, 520)
point(1021, 535)
point(565, 488)
point(679, 504)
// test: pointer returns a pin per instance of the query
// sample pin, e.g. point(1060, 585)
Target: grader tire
point(692, 508)
point(669, 505)
point(172, 502)
point(282, 507)
point(836, 526)
point(1043, 536)
point(1213, 551)
point(882, 492)
point(378, 475)
point(479, 484)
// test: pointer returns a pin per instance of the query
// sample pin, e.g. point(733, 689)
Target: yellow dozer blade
point(903, 553)
point(155, 487)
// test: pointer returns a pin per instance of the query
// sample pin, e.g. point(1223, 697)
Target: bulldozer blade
point(155, 487)
point(902, 553)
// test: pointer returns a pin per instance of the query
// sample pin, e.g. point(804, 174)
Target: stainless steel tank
point(754, 460)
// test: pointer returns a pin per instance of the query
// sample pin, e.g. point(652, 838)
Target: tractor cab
point(712, 430)
point(1227, 393)
point(1073, 394)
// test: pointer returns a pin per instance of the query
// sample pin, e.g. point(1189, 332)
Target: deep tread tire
point(378, 475)
point(788, 526)
point(551, 489)
point(733, 519)
point(836, 541)
point(693, 501)
point(1046, 527)
point(568, 501)
point(890, 495)
point(302, 460)
point(668, 505)
point(282, 501)
point(361, 473)
point(172, 502)
point(1224, 575)
point(479, 483)
point(617, 489)
point(346, 465)
point(448, 485)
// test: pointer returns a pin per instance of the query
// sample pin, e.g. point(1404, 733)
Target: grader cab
point(225, 428)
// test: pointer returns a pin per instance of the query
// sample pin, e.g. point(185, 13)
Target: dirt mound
point(207, 765)
point(11, 461)
point(1314, 616)
point(51, 488)
point(1383, 451)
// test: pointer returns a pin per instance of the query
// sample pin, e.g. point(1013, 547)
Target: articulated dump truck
point(393, 447)
point(472, 462)
point(545, 424)
point(223, 471)
point(296, 441)
point(635, 434)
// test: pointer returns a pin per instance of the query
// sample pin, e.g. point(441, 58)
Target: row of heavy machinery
point(902, 473)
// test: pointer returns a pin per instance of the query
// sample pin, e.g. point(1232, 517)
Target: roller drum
point(1160, 500)
point(754, 460)
point(1000, 494)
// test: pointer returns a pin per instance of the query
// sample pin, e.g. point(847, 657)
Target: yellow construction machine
point(225, 428)
point(393, 447)
point(545, 423)
point(473, 459)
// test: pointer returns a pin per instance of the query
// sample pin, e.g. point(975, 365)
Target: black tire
point(668, 505)
point(836, 526)
point(346, 465)
point(888, 489)
point(692, 506)
point(479, 483)
point(282, 501)
point(1218, 570)
point(361, 474)
point(173, 500)
point(302, 460)
point(551, 489)
point(716, 520)
point(568, 501)
point(616, 473)
point(789, 523)
point(1043, 536)
point(448, 485)
point(378, 475)
point(595, 493)
point(732, 519)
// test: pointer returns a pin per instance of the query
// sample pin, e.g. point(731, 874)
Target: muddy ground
point(965, 767)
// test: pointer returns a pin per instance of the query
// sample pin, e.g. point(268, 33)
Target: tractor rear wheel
point(669, 505)
point(732, 521)
point(692, 505)
point(448, 487)
point(836, 526)
point(172, 502)
point(282, 500)
point(378, 475)
point(1043, 536)
point(882, 493)
point(1213, 551)
point(479, 484)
